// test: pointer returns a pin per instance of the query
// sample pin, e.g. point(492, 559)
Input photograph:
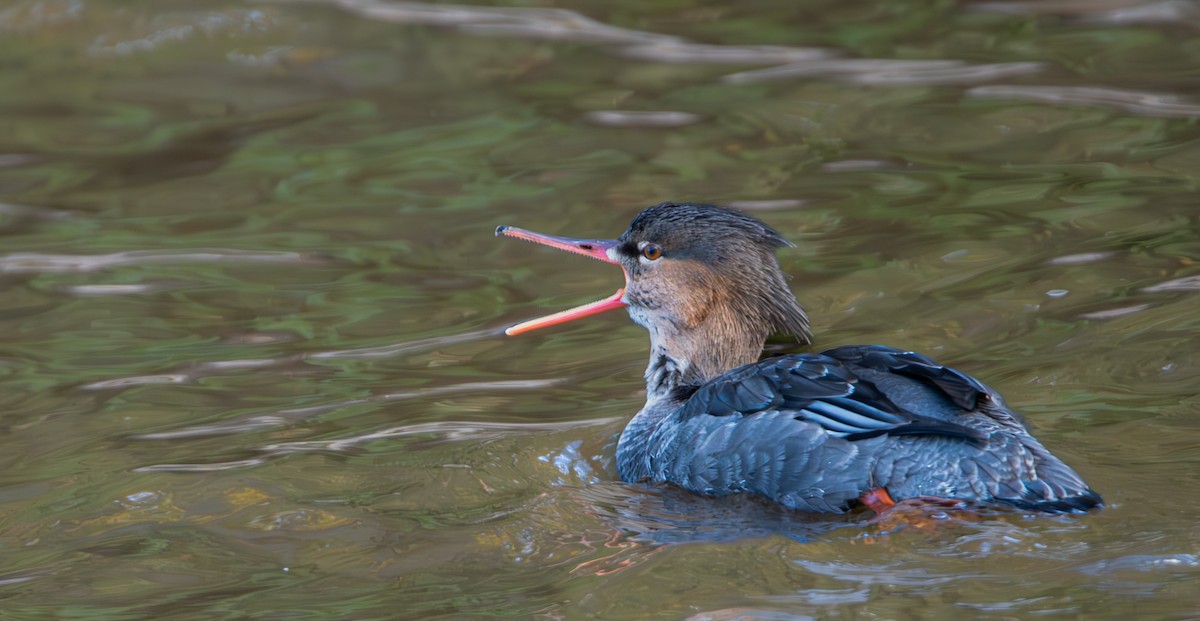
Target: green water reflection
point(250, 301)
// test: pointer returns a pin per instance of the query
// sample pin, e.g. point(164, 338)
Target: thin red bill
point(594, 248)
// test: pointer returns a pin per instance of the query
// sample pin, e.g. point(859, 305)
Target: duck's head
point(702, 279)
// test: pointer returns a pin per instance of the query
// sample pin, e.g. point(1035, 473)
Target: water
point(250, 300)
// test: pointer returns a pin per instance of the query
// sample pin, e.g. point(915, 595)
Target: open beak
point(594, 248)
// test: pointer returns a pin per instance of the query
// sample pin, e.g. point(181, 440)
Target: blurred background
point(250, 301)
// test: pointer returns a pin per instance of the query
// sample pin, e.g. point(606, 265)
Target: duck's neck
point(689, 359)
point(680, 361)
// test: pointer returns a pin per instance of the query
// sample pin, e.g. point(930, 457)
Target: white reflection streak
point(562, 24)
point(17, 580)
point(44, 213)
point(1113, 313)
point(1052, 7)
point(140, 380)
point(677, 51)
point(1187, 283)
point(536, 23)
point(1168, 12)
point(1111, 11)
point(885, 72)
point(385, 351)
point(630, 118)
point(446, 430)
point(285, 417)
point(218, 367)
point(767, 205)
point(1143, 562)
point(1138, 102)
point(1083, 257)
point(31, 262)
point(196, 24)
point(252, 423)
point(109, 289)
point(213, 467)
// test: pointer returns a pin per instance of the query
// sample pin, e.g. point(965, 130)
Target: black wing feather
point(964, 390)
point(823, 389)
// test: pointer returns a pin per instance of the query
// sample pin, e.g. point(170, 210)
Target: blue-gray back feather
point(815, 431)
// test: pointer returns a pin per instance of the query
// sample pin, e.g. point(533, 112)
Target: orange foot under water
point(923, 512)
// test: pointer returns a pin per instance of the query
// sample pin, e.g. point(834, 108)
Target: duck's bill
point(594, 248)
point(579, 312)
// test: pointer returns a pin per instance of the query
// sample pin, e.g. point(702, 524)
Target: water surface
point(250, 300)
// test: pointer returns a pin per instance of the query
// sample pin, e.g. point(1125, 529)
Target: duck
point(852, 426)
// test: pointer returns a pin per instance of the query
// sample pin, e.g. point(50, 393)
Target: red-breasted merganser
point(815, 432)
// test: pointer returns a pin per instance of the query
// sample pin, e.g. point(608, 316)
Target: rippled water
point(250, 301)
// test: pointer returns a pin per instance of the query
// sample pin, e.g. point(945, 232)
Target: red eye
point(651, 251)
